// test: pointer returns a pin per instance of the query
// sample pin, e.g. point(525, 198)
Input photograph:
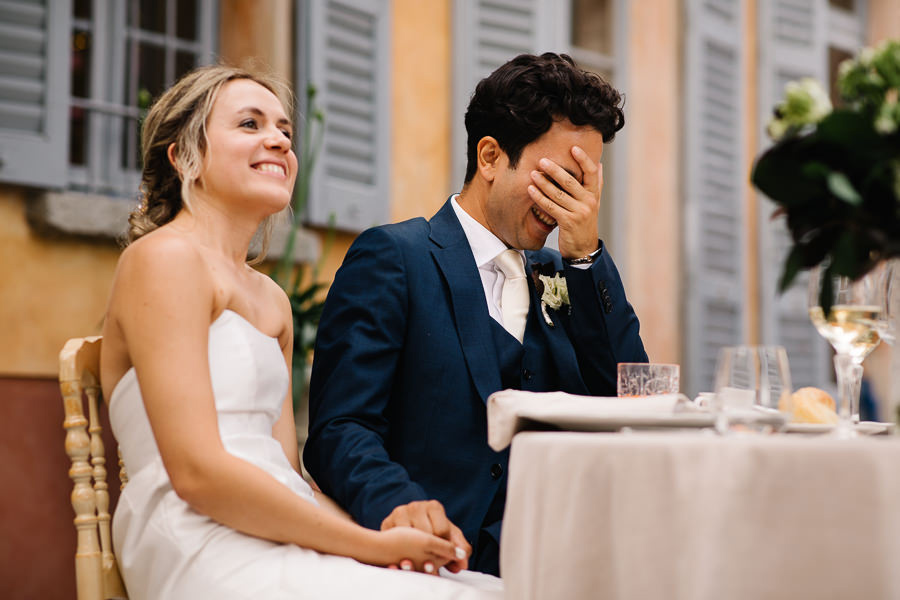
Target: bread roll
point(811, 405)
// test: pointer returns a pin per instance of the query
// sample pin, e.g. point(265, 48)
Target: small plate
point(863, 427)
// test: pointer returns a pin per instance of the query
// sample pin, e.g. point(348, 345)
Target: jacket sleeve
point(602, 326)
point(358, 343)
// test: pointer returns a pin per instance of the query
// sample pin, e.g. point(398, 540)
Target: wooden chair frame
point(96, 570)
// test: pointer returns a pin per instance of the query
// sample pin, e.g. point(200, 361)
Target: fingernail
point(545, 163)
point(406, 567)
point(460, 553)
point(429, 568)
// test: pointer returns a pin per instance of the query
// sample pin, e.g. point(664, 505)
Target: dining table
point(689, 513)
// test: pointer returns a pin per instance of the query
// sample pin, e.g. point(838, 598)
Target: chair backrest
point(96, 571)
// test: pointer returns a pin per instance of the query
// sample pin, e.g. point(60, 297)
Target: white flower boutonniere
point(555, 294)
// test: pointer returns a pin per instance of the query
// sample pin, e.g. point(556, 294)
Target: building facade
point(695, 245)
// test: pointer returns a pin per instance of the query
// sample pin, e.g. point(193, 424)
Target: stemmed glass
point(851, 326)
point(889, 322)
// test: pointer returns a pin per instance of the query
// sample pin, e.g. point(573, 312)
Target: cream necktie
point(514, 297)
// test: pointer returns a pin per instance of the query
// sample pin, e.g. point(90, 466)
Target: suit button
point(527, 375)
point(496, 471)
point(601, 287)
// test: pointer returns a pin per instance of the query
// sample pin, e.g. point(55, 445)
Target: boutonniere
point(552, 289)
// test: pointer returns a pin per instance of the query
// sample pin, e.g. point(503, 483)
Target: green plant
point(835, 172)
point(299, 282)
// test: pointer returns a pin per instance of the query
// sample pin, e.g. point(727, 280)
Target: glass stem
point(856, 381)
point(849, 376)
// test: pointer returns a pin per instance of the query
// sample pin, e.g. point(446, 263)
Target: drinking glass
point(851, 326)
point(889, 322)
point(752, 387)
point(647, 379)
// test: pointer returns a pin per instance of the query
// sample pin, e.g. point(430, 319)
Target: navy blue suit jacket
point(405, 361)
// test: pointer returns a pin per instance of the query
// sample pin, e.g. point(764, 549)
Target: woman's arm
point(166, 330)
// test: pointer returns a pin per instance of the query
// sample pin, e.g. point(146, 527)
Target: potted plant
point(834, 172)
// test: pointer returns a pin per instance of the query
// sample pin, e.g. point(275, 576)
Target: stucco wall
point(51, 290)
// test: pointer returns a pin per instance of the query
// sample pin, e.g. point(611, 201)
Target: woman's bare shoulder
point(163, 247)
point(162, 262)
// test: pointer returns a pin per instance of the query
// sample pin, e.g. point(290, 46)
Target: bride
point(195, 364)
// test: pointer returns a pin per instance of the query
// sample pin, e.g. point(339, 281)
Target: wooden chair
point(96, 571)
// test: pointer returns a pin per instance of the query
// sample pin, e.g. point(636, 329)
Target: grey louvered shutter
point(716, 181)
point(486, 34)
point(34, 91)
point(792, 45)
point(349, 59)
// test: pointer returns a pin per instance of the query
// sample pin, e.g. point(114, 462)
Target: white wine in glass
point(851, 329)
point(852, 326)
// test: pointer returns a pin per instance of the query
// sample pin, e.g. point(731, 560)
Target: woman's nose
point(276, 140)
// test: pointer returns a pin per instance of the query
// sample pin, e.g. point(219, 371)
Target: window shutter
point(34, 91)
point(715, 186)
point(792, 45)
point(349, 60)
point(486, 34)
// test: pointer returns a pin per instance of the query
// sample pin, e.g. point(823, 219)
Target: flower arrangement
point(834, 172)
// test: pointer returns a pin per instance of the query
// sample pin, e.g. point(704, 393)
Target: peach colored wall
point(884, 20)
point(421, 71)
point(52, 290)
point(257, 34)
point(752, 275)
point(653, 210)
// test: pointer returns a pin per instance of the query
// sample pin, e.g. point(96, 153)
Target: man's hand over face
point(429, 516)
point(575, 206)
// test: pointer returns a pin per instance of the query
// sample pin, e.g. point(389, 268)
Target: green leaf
point(792, 266)
point(840, 186)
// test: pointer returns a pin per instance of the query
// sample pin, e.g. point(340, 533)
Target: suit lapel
point(457, 265)
point(558, 343)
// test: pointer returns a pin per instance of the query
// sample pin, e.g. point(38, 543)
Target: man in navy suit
point(418, 327)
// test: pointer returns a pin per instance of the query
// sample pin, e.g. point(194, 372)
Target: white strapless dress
point(167, 550)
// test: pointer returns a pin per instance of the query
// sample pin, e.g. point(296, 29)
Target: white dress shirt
point(485, 247)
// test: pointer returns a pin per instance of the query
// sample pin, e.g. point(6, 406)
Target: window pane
point(81, 64)
point(186, 19)
point(77, 136)
point(150, 15)
point(592, 25)
point(82, 9)
point(151, 70)
point(184, 62)
point(131, 146)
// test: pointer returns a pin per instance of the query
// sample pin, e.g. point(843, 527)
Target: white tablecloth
point(697, 516)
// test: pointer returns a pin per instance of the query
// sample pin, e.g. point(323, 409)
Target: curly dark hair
point(521, 99)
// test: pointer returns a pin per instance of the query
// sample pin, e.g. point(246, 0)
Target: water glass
point(753, 387)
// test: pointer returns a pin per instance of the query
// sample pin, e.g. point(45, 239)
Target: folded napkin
point(510, 411)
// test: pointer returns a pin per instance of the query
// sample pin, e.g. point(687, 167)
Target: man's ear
point(488, 154)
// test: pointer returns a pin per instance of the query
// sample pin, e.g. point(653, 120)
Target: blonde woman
point(196, 351)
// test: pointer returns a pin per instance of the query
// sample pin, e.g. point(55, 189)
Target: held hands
point(428, 516)
point(405, 545)
point(575, 206)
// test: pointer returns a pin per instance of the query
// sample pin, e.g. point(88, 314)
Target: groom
point(426, 319)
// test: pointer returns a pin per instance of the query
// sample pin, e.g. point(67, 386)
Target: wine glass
point(752, 388)
point(889, 322)
point(851, 326)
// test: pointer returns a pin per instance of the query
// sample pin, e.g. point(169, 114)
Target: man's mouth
point(543, 217)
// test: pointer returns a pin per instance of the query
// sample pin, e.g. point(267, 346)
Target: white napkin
point(508, 411)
